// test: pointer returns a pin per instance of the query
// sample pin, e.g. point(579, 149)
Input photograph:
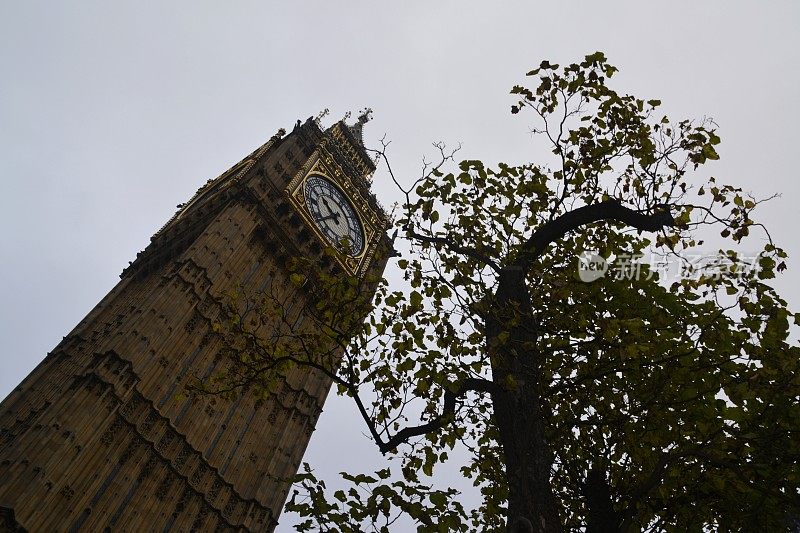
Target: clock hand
point(332, 215)
point(331, 212)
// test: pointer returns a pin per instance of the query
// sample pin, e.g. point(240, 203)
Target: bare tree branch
point(469, 384)
point(465, 250)
point(608, 210)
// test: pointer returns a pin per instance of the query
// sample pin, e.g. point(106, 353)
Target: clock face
point(333, 214)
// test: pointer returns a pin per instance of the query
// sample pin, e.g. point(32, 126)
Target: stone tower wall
point(100, 437)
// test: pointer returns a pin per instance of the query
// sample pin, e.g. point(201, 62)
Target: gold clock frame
point(322, 163)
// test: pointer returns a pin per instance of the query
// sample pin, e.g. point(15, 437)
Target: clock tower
point(101, 437)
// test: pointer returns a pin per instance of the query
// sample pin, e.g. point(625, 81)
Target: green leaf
point(438, 499)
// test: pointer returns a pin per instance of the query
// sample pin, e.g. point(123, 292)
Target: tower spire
point(357, 129)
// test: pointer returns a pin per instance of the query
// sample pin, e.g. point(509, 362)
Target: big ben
point(99, 437)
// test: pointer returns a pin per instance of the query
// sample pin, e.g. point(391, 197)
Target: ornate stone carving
point(197, 475)
point(164, 442)
point(149, 422)
point(66, 492)
point(112, 432)
point(148, 467)
point(200, 520)
point(215, 488)
point(129, 451)
point(183, 456)
point(164, 486)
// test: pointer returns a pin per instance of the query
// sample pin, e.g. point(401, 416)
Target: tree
point(628, 402)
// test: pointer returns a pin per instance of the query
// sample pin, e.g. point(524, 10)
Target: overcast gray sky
point(111, 113)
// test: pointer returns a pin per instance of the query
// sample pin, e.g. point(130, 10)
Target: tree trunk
point(601, 517)
point(518, 408)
